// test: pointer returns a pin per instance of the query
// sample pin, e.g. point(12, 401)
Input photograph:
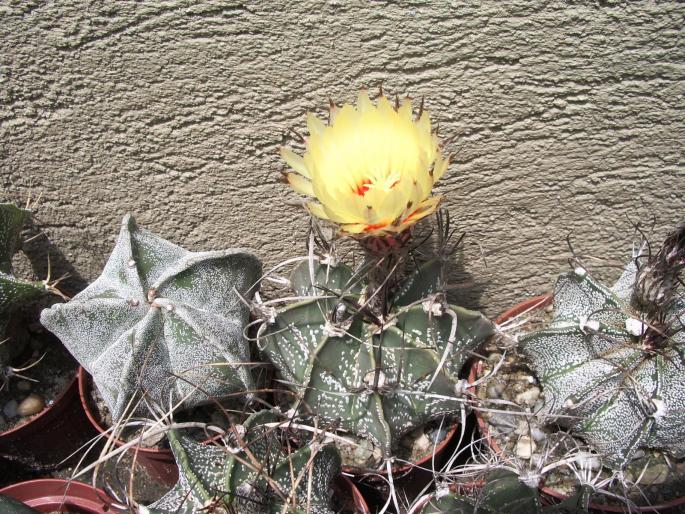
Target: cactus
point(14, 292)
point(503, 491)
point(612, 361)
point(161, 320)
point(256, 475)
point(376, 375)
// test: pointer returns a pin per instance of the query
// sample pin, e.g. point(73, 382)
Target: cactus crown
point(375, 372)
point(161, 320)
point(612, 361)
point(256, 474)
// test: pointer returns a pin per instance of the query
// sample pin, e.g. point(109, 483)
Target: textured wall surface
point(563, 117)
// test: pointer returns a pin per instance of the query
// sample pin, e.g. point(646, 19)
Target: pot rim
point(55, 492)
point(85, 382)
point(35, 418)
point(535, 303)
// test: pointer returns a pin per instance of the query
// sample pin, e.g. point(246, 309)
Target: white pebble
point(525, 447)
point(528, 397)
point(31, 405)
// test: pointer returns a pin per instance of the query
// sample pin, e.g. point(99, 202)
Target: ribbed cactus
point(612, 361)
point(504, 492)
point(377, 376)
point(255, 474)
point(163, 321)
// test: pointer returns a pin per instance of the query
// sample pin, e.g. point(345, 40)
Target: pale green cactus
point(376, 375)
point(256, 474)
point(612, 361)
point(163, 321)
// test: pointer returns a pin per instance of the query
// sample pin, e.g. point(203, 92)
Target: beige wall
point(563, 117)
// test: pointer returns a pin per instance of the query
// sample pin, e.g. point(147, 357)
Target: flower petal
point(300, 184)
point(296, 162)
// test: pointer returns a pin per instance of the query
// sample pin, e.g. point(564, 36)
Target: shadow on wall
point(462, 288)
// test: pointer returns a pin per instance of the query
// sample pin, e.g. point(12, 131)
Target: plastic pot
point(28, 444)
point(50, 495)
point(533, 304)
point(159, 463)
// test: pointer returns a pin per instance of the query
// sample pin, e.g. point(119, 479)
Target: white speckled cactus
point(161, 320)
point(255, 475)
point(504, 492)
point(612, 361)
point(378, 375)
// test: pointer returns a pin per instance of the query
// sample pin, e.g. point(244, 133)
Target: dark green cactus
point(504, 492)
point(612, 362)
point(11, 506)
point(255, 474)
point(377, 376)
point(159, 312)
point(14, 292)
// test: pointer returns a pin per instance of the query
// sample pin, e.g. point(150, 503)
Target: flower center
point(384, 184)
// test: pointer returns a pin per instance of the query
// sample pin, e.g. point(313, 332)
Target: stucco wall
point(563, 117)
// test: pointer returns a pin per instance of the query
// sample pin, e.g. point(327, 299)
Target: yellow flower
point(371, 169)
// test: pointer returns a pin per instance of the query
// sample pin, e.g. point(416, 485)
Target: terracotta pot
point(50, 495)
point(28, 444)
point(159, 463)
point(536, 303)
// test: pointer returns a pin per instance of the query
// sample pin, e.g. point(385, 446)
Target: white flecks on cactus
point(336, 374)
point(210, 477)
point(600, 378)
point(161, 321)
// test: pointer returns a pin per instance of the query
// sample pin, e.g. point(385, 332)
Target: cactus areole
point(612, 361)
point(375, 376)
point(161, 323)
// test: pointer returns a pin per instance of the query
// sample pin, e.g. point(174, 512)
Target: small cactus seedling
point(161, 321)
point(612, 361)
point(503, 491)
point(376, 375)
point(256, 474)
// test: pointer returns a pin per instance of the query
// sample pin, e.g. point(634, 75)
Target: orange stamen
point(363, 187)
point(369, 228)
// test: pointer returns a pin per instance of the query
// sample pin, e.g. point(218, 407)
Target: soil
point(46, 380)
point(522, 435)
